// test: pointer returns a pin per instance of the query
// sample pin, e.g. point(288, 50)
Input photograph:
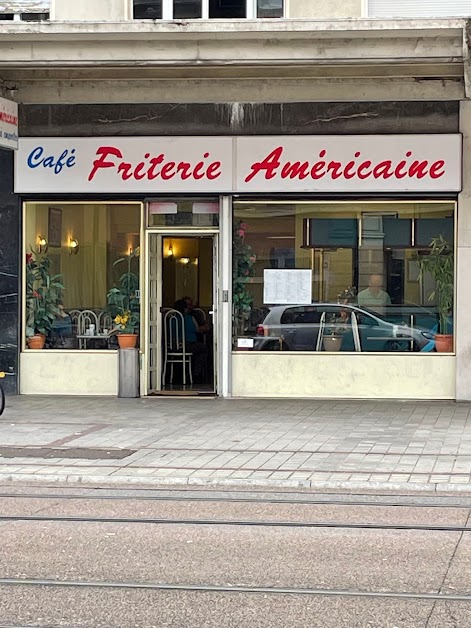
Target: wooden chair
point(175, 346)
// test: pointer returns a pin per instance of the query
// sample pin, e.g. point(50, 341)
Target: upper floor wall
point(119, 10)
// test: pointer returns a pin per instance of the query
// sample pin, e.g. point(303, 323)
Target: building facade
point(286, 170)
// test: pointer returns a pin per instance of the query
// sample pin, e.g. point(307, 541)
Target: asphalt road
point(354, 571)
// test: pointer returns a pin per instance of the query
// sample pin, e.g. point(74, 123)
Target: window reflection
point(147, 9)
point(364, 256)
point(187, 9)
point(269, 8)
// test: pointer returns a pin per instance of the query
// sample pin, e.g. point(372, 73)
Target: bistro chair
point(74, 317)
point(175, 346)
point(86, 318)
point(104, 322)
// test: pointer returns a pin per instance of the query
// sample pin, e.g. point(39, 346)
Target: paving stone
point(299, 441)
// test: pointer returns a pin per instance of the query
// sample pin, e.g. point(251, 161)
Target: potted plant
point(123, 303)
point(440, 264)
point(127, 323)
point(339, 324)
point(43, 296)
point(243, 269)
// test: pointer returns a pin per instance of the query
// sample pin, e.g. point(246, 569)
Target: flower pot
point(332, 343)
point(36, 342)
point(444, 343)
point(127, 341)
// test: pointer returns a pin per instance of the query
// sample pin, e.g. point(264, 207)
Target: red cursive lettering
point(269, 164)
point(111, 157)
point(104, 152)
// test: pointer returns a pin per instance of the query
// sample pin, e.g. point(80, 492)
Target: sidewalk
point(367, 445)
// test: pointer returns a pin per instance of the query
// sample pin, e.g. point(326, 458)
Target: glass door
point(182, 326)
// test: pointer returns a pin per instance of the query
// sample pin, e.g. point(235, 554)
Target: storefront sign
point(146, 165)
point(388, 163)
point(8, 124)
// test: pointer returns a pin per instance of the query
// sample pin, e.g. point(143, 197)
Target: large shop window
point(333, 276)
point(207, 9)
point(81, 272)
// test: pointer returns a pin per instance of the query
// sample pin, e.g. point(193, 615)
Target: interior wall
point(104, 235)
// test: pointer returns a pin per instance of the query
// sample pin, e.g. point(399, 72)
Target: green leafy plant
point(123, 303)
point(43, 295)
point(440, 264)
point(242, 270)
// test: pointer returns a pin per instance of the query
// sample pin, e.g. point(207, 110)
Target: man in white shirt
point(373, 297)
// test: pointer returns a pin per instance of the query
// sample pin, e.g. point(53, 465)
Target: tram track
point(324, 499)
point(232, 522)
point(209, 588)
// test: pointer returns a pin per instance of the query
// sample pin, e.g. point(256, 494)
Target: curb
point(110, 481)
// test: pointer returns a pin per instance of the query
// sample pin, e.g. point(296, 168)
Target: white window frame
point(251, 10)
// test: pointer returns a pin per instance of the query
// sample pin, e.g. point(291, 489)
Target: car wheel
point(401, 346)
point(275, 346)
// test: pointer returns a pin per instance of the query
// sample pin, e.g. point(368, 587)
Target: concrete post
point(462, 327)
point(128, 373)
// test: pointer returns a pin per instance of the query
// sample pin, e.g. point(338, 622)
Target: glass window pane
point(227, 9)
point(183, 213)
point(270, 8)
point(82, 270)
point(187, 9)
point(364, 260)
point(147, 9)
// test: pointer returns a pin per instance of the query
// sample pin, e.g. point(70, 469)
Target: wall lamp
point(42, 245)
point(73, 246)
point(185, 261)
point(170, 251)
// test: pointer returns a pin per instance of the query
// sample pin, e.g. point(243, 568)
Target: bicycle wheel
point(2, 400)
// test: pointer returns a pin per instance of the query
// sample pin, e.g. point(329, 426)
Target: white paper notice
point(245, 343)
point(287, 287)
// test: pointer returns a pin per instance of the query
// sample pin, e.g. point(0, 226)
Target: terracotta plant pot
point(127, 341)
point(444, 343)
point(36, 342)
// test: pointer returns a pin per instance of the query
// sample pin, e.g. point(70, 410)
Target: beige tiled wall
point(324, 9)
point(90, 10)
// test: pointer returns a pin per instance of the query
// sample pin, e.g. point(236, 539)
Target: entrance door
point(182, 314)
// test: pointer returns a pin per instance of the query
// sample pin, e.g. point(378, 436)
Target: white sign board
point(131, 165)
point(316, 164)
point(8, 124)
point(287, 287)
point(356, 163)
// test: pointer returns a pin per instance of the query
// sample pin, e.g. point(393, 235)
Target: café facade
point(301, 252)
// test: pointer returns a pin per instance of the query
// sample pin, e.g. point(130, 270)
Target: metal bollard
point(128, 382)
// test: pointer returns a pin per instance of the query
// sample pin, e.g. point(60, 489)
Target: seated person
point(62, 329)
point(197, 349)
point(197, 314)
point(374, 297)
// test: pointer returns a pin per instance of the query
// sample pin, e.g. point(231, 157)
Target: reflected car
point(297, 328)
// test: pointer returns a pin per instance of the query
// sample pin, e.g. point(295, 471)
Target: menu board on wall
point(287, 287)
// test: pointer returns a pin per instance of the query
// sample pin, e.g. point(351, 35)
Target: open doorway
point(187, 323)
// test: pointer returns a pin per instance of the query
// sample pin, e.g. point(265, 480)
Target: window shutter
point(419, 8)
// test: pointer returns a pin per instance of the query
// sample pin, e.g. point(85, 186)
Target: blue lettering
point(71, 160)
point(37, 158)
point(34, 160)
